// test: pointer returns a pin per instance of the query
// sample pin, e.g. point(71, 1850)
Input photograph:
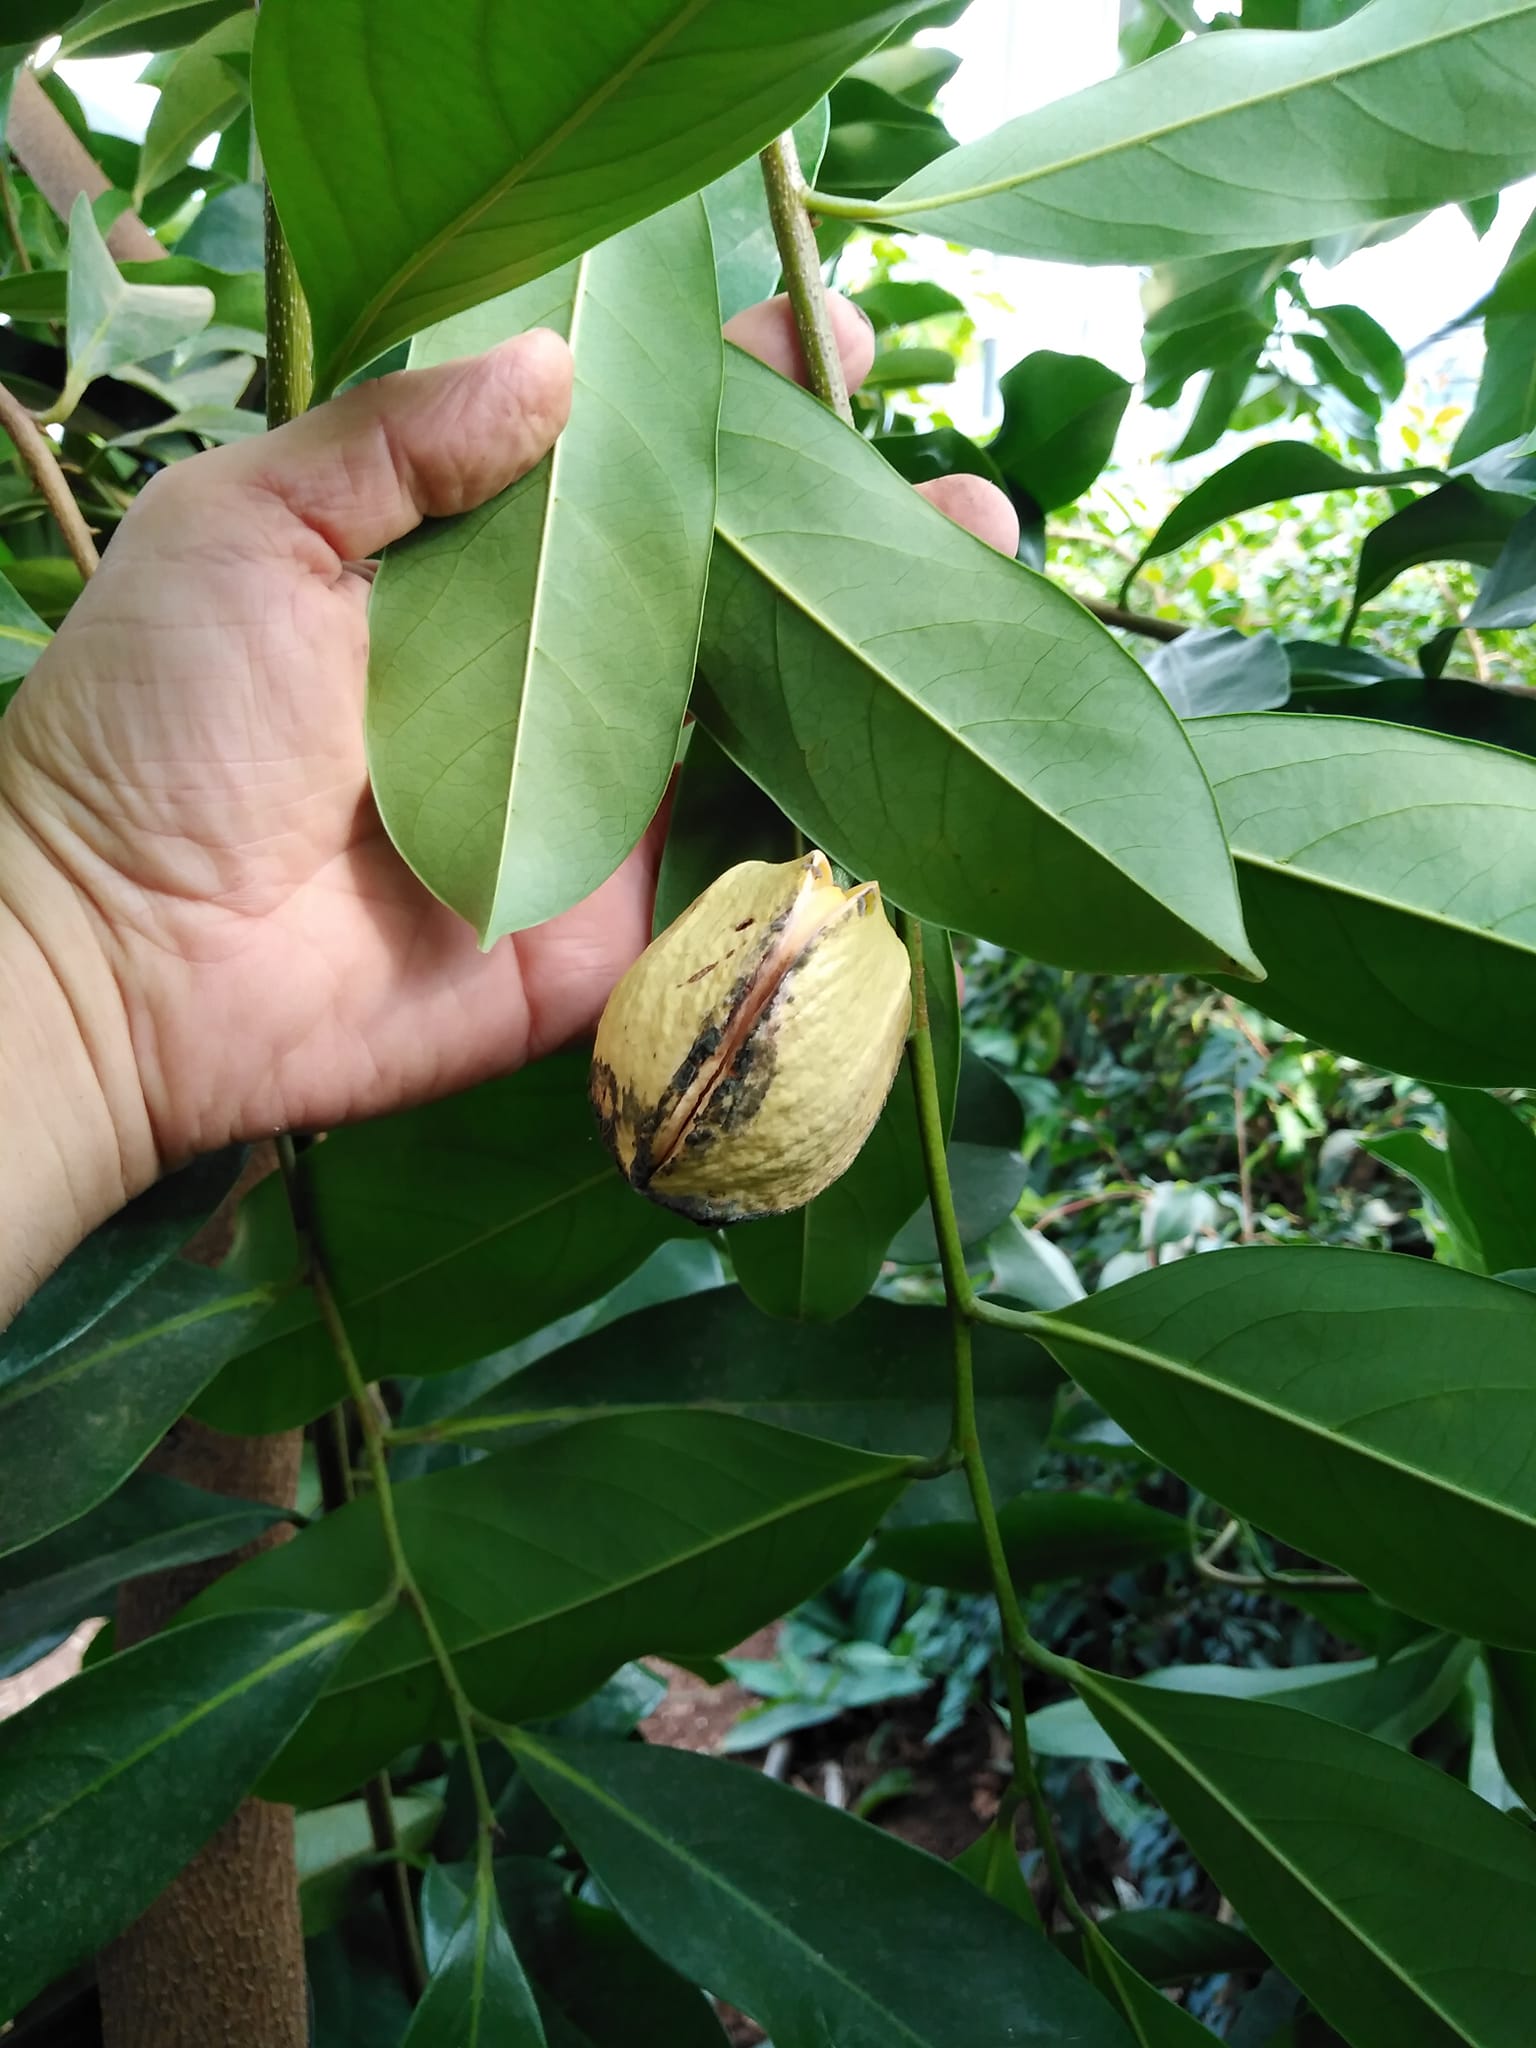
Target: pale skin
point(205, 933)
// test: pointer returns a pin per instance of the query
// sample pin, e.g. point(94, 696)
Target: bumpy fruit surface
point(743, 1059)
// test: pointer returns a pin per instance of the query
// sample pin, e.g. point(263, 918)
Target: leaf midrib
point(896, 207)
point(1421, 912)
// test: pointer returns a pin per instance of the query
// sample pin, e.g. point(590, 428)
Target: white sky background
point(1021, 54)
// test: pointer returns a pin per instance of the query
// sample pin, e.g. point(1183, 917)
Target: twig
point(785, 186)
point(1244, 1182)
point(61, 167)
point(42, 465)
point(12, 217)
point(1144, 623)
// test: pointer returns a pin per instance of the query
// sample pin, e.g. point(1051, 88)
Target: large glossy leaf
point(548, 1565)
point(110, 1783)
point(1393, 1701)
point(150, 1524)
point(546, 132)
point(1391, 1894)
point(77, 1424)
point(1060, 417)
point(1159, 162)
point(1046, 1536)
point(940, 717)
point(1371, 1409)
point(116, 1258)
point(1388, 878)
point(450, 1231)
point(708, 1862)
point(531, 661)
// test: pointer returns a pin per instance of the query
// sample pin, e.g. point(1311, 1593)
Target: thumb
point(365, 468)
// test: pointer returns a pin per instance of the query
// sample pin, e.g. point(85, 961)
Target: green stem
point(290, 342)
point(784, 183)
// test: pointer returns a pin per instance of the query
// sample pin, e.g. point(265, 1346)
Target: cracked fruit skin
point(743, 1059)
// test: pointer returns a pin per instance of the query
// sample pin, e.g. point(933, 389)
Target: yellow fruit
point(743, 1059)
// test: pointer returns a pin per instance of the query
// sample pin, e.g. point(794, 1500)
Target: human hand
point(185, 827)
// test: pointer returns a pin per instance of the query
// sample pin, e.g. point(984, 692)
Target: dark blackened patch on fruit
point(738, 1095)
point(745, 925)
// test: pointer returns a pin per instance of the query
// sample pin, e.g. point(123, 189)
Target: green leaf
point(924, 709)
point(746, 255)
point(903, 369)
point(204, 90)
point(110, 1783)
point(1392, 1895)
point(1167, 1946)
point(334, 1845)
point(1261, 476)
point(123, 27)
point(879, 1380)
point(819, 1262)
point(23, 635)
point(541, 138)
point(1393, 1701)
point(1366, 1408)
point(1508, 595)
point(1454, 524)
point(478, 1996)
point(986, 1167)
point(1154, 2021)
point(1512, 1685)
point(1386, 878)
point(1159, 162)
point(1028, 1268)
point(113, 323)
point(895, 302)
point(1046, 1536)
point(1060, 418)
point(229, 231)
point(149, 1525)
point(1215, 669)
point(116, 1258)
point(944, 452)
point(912, 72)
point(425, 1217)
point(531, 660)
point(719, 817)
point(238, 301)
point(622, 1535)
point(877, 139)
point(1493, 1158)
point(1364, 346)
point(701, 1859)
point(1506, 394)
point(78, 1423)
point(1428, 1165)
point(992, 1862)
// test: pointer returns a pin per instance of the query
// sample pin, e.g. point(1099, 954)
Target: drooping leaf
point(877, 139)
point(1391, 1894)
point(1154, 2021)
point(1508, 595)
point(478, 1995)
point(992, 1862)
point(746, 254)
point(122, 27)
point(23, 635)
point(1505, 409)
point(1387, 888)
point(879, 1380)
point(116, 1258)
point(1370, 1409)
point(700, 1858)
point(1364, 346)
point(1492, 1154)
point(921, 707)
point(1060, 417)
point(1158, 162)
point(205, 88)
point(1393, 1701)
point(618, 1536)
point(1047, 1535)
point(75, 1425)
point(538, 142)
point(113, 323)
point(150, 1524)
point(1428, 1165)
point(1457, 523)
point(1215, 669)
point(424, 1217)
point(109, 1783)
point(531, 661)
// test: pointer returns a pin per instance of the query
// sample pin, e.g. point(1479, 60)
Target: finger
point(420, 444)
point(768, 332)
point(981, 508)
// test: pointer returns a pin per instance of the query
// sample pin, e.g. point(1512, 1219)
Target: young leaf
point(1046, 1536)
point(1060, 417)
point(77, 1424)
point(425, 1216)
point(1387, 877)
point(701, 1859)
point(940, 717)
point(1368, 1408)
point(205, 88)
point(23, 635)
point(150, 1524)
point(1392, 1895)
point(546, 132)
point(1154, 2021)
point(992, 1862)
point(1159, 162)
point(113, 323)
point(616, 1537)
point(111, 1782)
point(531, 661)
point(478, 1996)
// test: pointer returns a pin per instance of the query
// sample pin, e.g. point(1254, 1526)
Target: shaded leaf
point(23, 635)
point(1154, 2021)
point(1492, 1155)
point(992, 1862)
point(920, 707)
point(111, 1782)
point(204, 89)
point(700, 1857)
point(899, 369)
point(1060, 417)
point(113, 323)
point(1046, 1536)
point(477, 1996)
point(124, 27)
point(1367, 1408)
point(1505, 409)
point(986, 1168)
point(1213, 669)
point(894, 301)
point(1454, 524)
point(334, 1845)
point(1167, 1946)
point(1508, 595)
point(530, 661)
point(1512, 1686)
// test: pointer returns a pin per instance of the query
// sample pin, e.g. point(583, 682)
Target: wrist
point(77, 1140)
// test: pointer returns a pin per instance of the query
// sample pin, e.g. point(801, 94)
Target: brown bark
point(218, 1960)
point(61, 167)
